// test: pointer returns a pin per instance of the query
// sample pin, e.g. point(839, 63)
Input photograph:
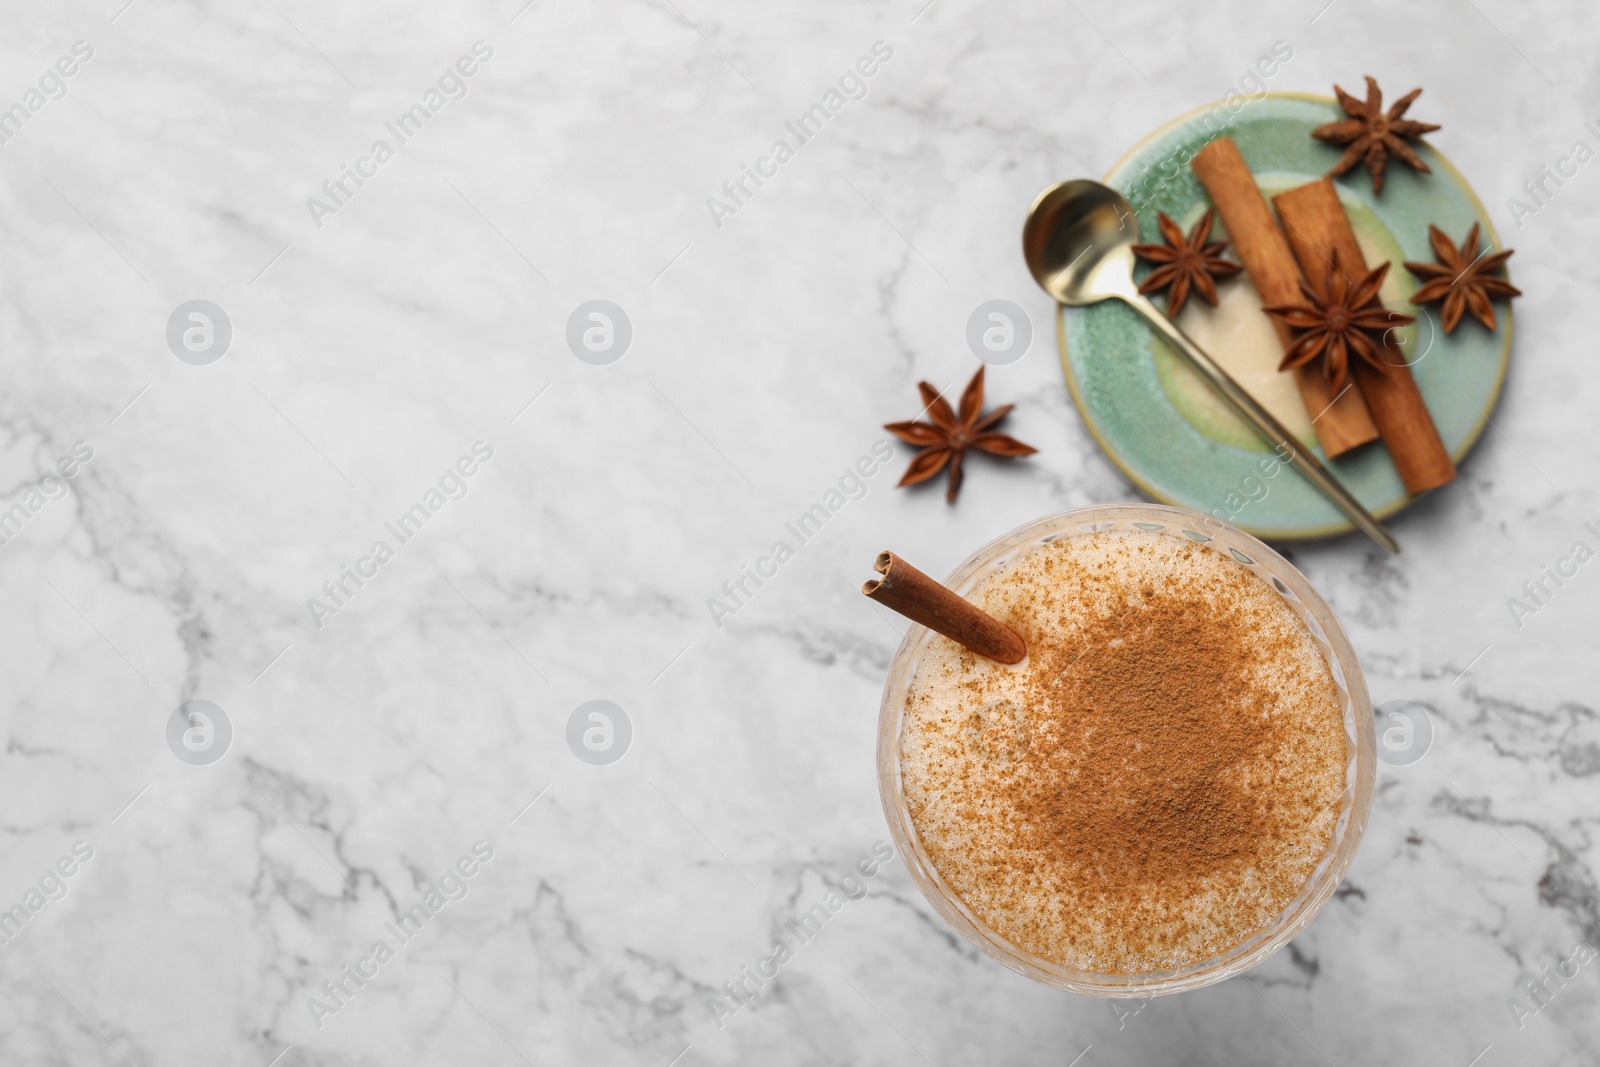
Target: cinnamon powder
point(1144, 769)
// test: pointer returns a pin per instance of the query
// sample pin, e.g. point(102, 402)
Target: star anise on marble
point(1461, 278)
point(945, 440)
point(1348, 321)
point(1185, 262)
point(1373, 135)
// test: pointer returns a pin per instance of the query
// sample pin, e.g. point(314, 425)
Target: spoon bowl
point(1078, 242)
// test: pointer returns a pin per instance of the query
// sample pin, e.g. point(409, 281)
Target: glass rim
point(1355, 801)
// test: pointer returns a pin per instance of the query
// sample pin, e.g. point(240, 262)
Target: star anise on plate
point(1347, 321)
point(1461, 278)
point(1373, 135)
point(945, 440)
point(1185, 262)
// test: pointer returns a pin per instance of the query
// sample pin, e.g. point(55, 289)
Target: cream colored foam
point(953, 766)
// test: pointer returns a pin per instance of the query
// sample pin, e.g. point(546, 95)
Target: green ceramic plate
point(1165, 428)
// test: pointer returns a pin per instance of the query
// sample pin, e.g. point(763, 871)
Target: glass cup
point(1360, 765)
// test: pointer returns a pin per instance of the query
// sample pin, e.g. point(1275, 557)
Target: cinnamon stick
point(919, 598)
point(1318, 231)
point(1341, 423)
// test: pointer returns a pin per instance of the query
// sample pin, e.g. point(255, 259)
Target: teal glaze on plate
point(1109, 356)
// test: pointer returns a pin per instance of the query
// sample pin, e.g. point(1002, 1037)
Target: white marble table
point(378, 336)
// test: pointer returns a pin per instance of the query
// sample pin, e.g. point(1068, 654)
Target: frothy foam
point(1155, 783)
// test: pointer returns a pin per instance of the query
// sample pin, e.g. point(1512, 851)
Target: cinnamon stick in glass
point(919, 598)
point(1319, 229)
point(1343, 423)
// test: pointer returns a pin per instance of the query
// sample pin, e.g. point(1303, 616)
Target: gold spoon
point(1078, 242)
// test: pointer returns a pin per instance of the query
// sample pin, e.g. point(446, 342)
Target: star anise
point(1461, 278)
point(1185, 262)
point(1348, 319)
point(946, 439)
point(1374, 135)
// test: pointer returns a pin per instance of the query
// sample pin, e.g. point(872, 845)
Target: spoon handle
point(1269, 427)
